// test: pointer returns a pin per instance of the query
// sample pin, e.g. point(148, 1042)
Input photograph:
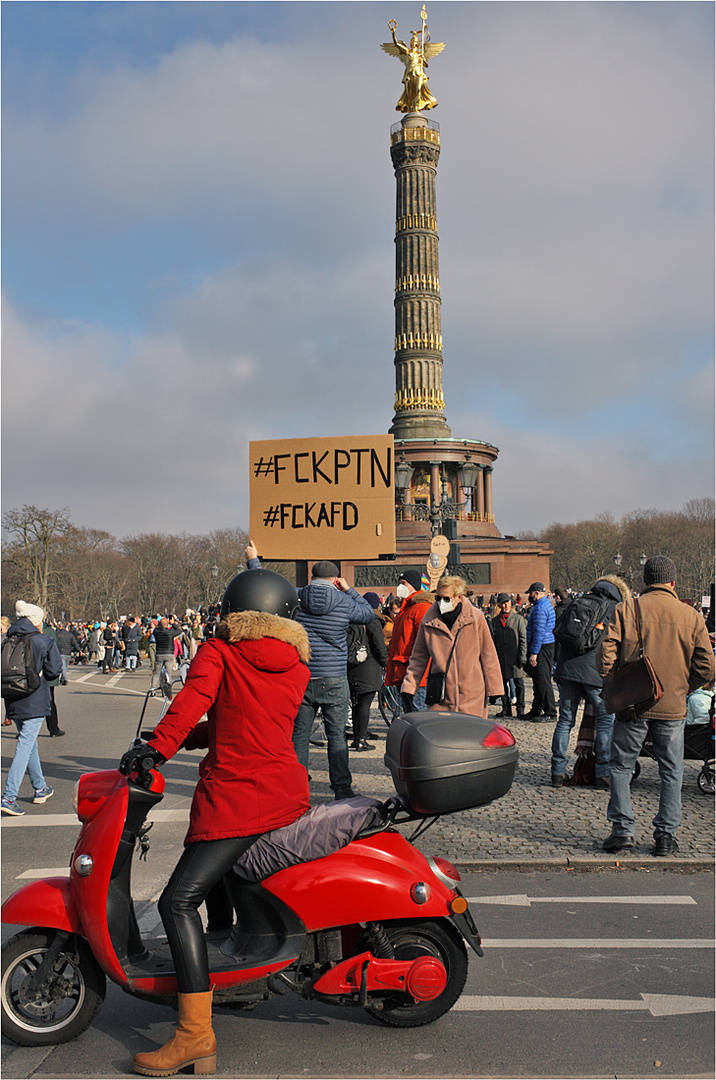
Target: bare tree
point(37, 533)
point(587, 549)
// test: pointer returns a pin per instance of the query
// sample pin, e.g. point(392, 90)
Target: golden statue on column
point(416, 95)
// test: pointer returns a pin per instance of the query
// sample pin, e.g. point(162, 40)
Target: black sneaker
point(557, 779)
point(665, 844)
point(345, 793)
point(617, 843)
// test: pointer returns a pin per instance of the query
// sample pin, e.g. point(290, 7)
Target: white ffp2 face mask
point(445, 604)
point(403, 591)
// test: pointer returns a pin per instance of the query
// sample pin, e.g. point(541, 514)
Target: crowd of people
point(275, 659)
point(484, 647)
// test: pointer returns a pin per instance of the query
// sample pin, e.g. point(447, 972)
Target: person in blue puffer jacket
point(540, 653)
point(327, 606)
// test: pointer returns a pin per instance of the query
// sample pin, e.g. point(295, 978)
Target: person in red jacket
point(415, 606)
point(249, 680)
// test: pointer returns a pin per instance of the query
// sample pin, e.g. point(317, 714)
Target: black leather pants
point(201, 866)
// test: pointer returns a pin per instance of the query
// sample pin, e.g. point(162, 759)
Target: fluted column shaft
point(419, 404)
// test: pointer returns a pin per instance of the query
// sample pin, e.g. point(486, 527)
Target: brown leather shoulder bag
point(634, 688)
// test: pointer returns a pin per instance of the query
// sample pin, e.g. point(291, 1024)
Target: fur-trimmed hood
point(254, 625)
point(619, 584)
point(421, 597)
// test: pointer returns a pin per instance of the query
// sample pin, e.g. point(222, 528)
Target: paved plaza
point(538, 825)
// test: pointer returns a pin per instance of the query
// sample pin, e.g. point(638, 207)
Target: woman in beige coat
point(474, 674)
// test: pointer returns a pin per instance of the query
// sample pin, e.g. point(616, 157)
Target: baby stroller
point(698, 746)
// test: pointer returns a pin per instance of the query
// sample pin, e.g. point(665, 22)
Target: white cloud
point(199, 251)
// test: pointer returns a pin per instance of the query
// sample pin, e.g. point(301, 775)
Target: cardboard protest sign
point(328, 498)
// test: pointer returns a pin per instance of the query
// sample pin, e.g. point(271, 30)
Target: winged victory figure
point(416, 95)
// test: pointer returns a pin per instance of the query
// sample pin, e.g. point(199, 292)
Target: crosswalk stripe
point(526, 901)
point(656, 1004)
point(49, 871)
point(71, 819)
point(599, 943)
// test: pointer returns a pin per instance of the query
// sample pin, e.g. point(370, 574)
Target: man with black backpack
point(577, 633)
point(29, 659)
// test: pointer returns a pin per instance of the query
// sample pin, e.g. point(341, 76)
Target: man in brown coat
point(677, 643)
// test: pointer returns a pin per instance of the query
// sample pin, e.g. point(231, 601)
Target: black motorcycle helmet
point(260, 590)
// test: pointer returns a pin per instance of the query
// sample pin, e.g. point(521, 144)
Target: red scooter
point(398, 950)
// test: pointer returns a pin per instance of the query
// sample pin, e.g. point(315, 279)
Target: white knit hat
point(29, 611)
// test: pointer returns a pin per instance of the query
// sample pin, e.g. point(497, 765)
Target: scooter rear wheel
point(67, 1009)
point(428, 938)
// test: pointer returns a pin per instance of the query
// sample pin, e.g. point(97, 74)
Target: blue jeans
point(668, 741)
point(418, 702)
point(27, 758)
point(332, 697)
point(570, 694)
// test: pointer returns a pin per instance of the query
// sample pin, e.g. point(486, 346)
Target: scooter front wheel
point(411, 940)
point(65, 1006)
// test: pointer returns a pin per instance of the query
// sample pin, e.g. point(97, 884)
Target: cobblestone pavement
point(535, 823)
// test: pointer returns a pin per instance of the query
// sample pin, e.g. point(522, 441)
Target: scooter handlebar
point(141, 758)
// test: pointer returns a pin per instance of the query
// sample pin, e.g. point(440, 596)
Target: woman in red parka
point(249, 680)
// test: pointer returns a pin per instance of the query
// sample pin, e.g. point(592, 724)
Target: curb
point(649, 863)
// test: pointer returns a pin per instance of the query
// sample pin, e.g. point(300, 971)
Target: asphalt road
point(608, 973)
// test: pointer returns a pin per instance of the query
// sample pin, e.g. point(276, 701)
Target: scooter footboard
point(266, 929)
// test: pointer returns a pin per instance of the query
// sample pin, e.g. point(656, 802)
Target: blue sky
point(198, 248)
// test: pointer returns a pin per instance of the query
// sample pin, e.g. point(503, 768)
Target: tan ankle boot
point(192, 1043)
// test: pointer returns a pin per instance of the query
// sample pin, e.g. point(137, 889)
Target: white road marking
point(111, 684)
point(71, 819)
point(656, 1004)
point(527, 901)
point(599, 943)
point(50, 871)
point(149, 921)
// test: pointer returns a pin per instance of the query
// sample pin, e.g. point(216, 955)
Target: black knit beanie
point(659, 570)
point(414, 578)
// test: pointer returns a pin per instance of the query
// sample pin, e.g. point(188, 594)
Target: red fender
point(369, 880)
point(424, 978)
point(47, 902)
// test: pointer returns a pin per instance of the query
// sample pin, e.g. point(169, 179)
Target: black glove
point(140, 758)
